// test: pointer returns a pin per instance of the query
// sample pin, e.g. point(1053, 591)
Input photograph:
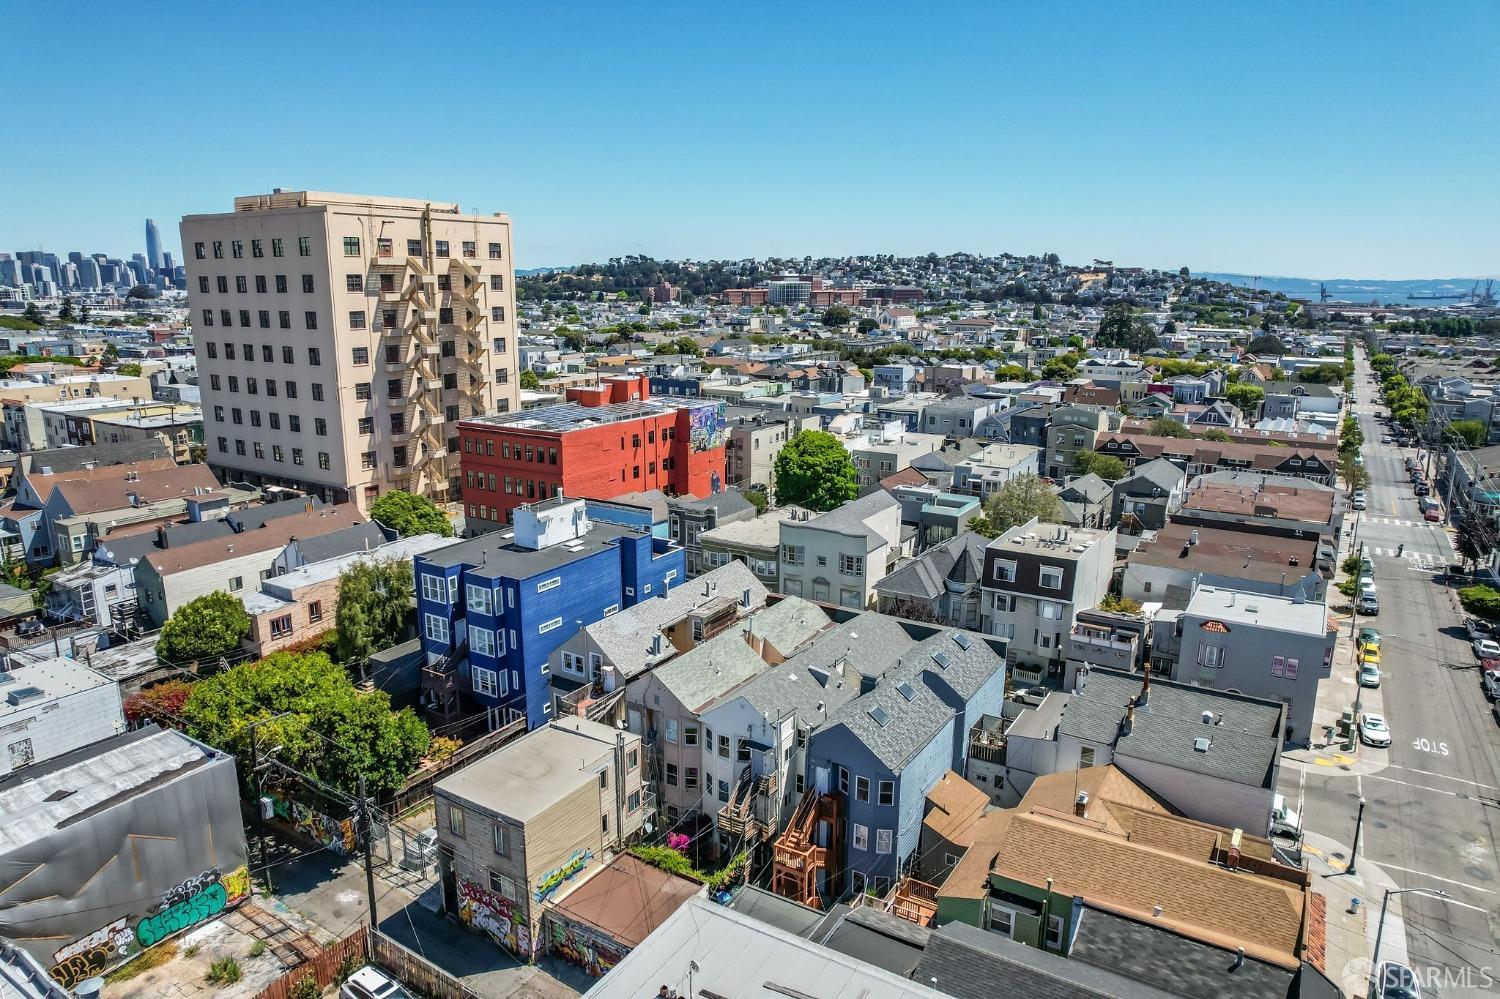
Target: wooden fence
point(366, 946)
point(418, 789)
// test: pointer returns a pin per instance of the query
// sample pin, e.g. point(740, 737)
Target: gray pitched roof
point(1245, 740)
point(625, 639)
point(1087, 488)
point(969, 963)
point(360, 537)
point(727, 502)
point(120, 550)
point(960, 559)
point(850, 518)
point(258, 516)
point(1183, 966)
point(1159, 472)
point(709, 670)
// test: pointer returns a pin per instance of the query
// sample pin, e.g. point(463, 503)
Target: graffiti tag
point(554, 878)
point(180, 916)
point(495, 916)
point(192, 886)
point(236, 885)
point(89, 955)
point(594, 955)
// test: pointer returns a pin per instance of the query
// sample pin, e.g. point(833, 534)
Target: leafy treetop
point(814, 470)
point(408, 514)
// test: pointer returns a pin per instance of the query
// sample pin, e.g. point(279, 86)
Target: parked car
point(1373, 730)
point(1423, 489)
point(1489, 682)
point(1385, 439)
point(1369, 636)
point(1369, 675)
point(1432, 514)
point(1486, 648)
point(1370, 655)
point(1359, 501)
point(1478, 628)
point(1368, 604)
point(371, 982)
point(1284, 819)
point(1395, 981)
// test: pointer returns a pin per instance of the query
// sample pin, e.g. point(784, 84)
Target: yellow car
point(1370, 654)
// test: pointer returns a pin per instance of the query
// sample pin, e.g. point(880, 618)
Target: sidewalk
point(1349, 946)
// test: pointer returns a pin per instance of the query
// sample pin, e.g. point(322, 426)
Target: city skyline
point(1121, 134)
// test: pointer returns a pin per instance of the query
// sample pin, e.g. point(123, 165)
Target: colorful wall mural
point(558, 876)
point(591, 950)
point(181, 907)
point(325, 830)
point(706, 427)
point(497, 917)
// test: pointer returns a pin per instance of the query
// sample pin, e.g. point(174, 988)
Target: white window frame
point(1008, 916)
point(1044, 572)
point(549, 584)
point(482, 640)
point(485, 681)
point(478, 599)
point(861, 840)
point(881, 790)
point(547, 626)
point(1049, 610)
point(884, 841)
point(435, 627)
point(1054, 923)
point(434, 588)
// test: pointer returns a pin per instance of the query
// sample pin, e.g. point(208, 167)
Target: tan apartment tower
point(340, 339)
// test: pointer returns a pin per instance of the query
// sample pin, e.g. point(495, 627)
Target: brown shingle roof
point(275, 534)
point(1286, 503)
point(43, 484)
point(955, 807)
point(112, 492)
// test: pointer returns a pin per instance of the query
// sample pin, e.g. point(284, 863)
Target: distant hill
point(1353, 289)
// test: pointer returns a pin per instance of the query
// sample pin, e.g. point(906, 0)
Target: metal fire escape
point(417, 336)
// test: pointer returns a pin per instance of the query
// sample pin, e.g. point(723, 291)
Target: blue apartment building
point(491, 610)
point(886, 749)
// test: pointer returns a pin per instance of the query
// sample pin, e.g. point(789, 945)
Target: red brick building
point(606, 440)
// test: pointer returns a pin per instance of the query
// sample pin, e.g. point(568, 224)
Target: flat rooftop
point(495, 555)
point(530, 775)
point(1050, 540)
point(37, 683)
point(574, 416)
point(1282, 502)
point(758, 532)
point(1309, 617)
point(1228, 553)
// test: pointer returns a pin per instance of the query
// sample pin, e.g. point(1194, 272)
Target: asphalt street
point(1432, 816)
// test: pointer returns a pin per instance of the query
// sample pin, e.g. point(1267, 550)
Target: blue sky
point(1318, 139)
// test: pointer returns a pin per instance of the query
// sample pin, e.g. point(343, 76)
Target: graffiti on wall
point(706, 427)
point(497, 917)
point(592, 952)
point(180, 907)
point(89, 955)
point(325, 830)
point(558, 876)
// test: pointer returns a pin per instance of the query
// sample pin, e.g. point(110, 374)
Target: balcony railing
point(1100, 640)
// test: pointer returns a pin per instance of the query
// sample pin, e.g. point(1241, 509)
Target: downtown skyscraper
point(153, 246)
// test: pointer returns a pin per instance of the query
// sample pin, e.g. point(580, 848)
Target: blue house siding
point(837, 747)
point(989, 699)
point(532, 616)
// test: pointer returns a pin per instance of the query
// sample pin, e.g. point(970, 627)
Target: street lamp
point(1359, 825)
point(1380, 926)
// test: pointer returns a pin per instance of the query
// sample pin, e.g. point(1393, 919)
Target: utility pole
point(366, 829)
point(260, 819)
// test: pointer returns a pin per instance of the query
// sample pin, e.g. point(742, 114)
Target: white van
point(1284, 819)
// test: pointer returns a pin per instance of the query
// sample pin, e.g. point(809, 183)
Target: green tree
point(574, 340)
point(1352, 472)
point(1121, 327)
point(758, 499)
point(836, 316)
point(530, 381)
point(1472, 431)
point(32, 314)
point(139, 291)
point(1106, 466)
point(1119, 605)
point(814, 470)
point(205, 628)
point(1165, 426)
point(868, 325)
point(644, 310)
point(329, 730)
point(129, 370)
point(1170, 329)
point(1037, 313)
point(407, 515)
point(374, 597)
point(1061, 368)
point(66, 312)
point(1246, 397)
point(1266, 343)
point(1020, 499)
point(1217, 435)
